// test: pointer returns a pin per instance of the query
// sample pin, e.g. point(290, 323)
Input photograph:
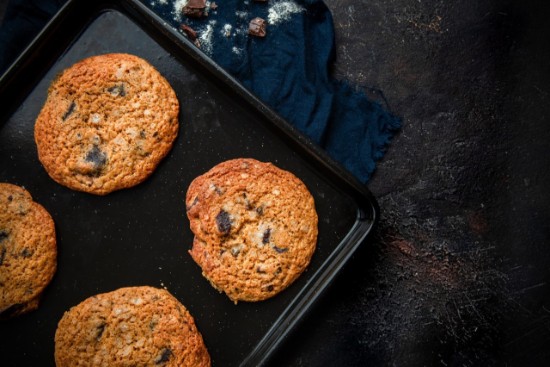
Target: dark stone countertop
point(458, 271)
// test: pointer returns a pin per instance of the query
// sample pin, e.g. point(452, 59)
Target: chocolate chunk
point(266, 236)
point(257, 27)
point(223, 220)
point(96, 157)
point(260, 210)
point(69, 111)
point(217, 189)
point(190, 32)
point(26, 253)
point(269, 288)
point(2, 254)
point(195, 8)
point(260, 270)
point(117, 90)
point(236, 250)
point(195, 201)
point(164, 356)
point(3, 235)
point(142, 134)
point(279, 249)
point(248, 203)
point(10, 198)
point(99, 331)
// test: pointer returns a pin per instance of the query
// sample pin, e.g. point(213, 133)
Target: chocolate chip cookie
point(134, 326)
point(107, 122)
point(28, 251)
point(255, 228)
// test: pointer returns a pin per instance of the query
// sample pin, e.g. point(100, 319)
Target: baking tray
point(140, 236)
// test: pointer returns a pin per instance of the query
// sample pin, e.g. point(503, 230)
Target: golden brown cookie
point(28, 251)
point(107, 122)
point(134, 326)
point(255, 228)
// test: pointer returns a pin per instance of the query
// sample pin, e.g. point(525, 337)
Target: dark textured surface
point(458, 274)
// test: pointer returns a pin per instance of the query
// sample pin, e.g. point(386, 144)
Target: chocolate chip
point(96, 157)
point(266, 236)
point(190, 32)
point(3, 235)
point(10, 198)
point(164, 356)
point(99, 331)
point(279, 249)
point(142, 134)
point(257, 27)
point(260, 270)
point(223, 220)
point(195, 8)
point(260, 210)
point(270, 288)
point(117, 90)
point(70, 111)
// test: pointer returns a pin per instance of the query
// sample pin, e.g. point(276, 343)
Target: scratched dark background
point(458, 271)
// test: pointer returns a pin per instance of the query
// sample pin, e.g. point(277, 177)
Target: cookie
point(134, 326)
point(28, 251)
point(255, 228)
point(107, 122)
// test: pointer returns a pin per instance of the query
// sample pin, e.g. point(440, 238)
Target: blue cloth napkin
point(288, 69)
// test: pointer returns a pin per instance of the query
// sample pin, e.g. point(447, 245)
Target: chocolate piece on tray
point(190, 32)
point(195, 9)
point(257, 27)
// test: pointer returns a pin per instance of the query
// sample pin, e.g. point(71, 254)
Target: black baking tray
point(140, 236)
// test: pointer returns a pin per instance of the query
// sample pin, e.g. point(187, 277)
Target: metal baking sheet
point(140, 236)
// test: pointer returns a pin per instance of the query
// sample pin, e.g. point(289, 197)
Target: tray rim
point(367, 211)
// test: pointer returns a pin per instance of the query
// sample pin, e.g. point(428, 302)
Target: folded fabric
point(288, 69)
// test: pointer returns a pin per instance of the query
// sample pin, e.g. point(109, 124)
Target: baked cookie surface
point(133, 326)
point(255, 228)
point(28, 251)
point(107, 122)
